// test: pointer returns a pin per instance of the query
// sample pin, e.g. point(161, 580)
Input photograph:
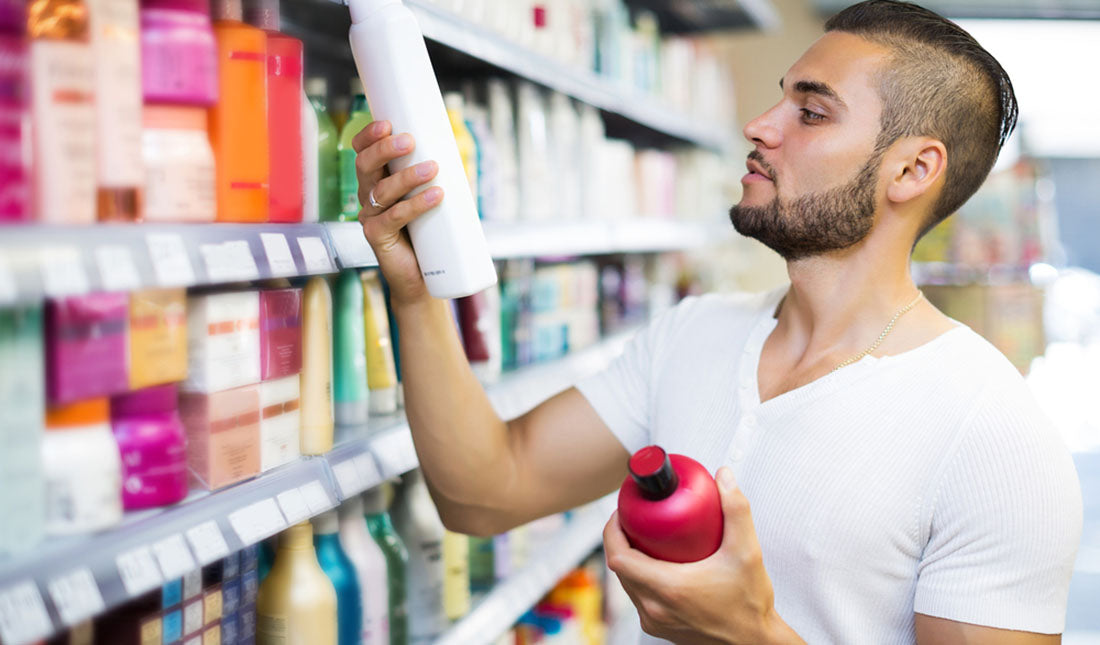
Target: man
point(886, 476)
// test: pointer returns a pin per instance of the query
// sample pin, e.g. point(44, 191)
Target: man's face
point(813, 177)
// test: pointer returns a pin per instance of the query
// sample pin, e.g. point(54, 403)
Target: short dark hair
point(939, 83)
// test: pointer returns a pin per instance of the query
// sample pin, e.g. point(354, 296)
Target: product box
point(223, 435)
point(223, 341)
point(86, 347)
point(280, 422)
point(212, 635)
point(230, 630)
point(250, 587)
point(172, 622)
point(192, 618)
point(280, 333)
point(192, 584)
point(158, 337)
point(212, 606)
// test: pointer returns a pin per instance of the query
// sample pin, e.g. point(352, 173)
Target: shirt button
point(744, 387)
point(750, 420)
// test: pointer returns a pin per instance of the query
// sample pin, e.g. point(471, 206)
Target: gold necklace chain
point(885, 332)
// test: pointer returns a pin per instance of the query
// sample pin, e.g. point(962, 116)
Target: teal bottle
point(340, 570)
point(375, 505)
point(349, 352)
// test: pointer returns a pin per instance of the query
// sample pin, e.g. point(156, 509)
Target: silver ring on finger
point(374, 202)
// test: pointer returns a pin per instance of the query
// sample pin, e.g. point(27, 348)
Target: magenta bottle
point(14, 178)
point(153, 447)
point(669, 507)
point(178, 53)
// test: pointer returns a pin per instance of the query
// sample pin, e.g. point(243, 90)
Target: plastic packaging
point(178, 53)
point(381, 369)
point(339, 569)
point(326, 145)
point(297, 601)
point(317, 402)
point(669, 507)
point(359, 118)
point(418, 523)
point(401, 88)
point(22, 397)
point(380, 525)
point(370, 567)
point(349, 353)
point(81, 466)
point(179, 165)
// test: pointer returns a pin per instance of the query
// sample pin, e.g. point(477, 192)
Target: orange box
point(158, 337)
point(223, 435)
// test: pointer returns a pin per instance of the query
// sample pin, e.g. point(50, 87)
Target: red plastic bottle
point(669, 507)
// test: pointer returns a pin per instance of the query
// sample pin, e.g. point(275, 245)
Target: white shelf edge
point(511, 598)
point(384, 450)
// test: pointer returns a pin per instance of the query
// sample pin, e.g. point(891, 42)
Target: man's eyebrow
point(817, 87)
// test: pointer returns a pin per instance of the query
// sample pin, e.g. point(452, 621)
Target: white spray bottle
point(401, 88)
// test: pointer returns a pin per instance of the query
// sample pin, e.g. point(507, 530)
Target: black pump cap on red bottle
point(652, 470)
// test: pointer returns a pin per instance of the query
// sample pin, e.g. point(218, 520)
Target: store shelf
point(55, 261)
point(487, 47)
point(66, 580)
point(695, 16)
point(945, 273)
point(47, 261)
point(511, 598)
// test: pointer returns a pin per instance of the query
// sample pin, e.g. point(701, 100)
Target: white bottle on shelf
point(397, 74)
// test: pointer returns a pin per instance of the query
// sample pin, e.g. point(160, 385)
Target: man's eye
point(810, 116)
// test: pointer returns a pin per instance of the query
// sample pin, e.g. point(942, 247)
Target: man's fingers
point(630, 563)
point(390, 190)
point(373, 159)
point(369, 135)
point(399, 216)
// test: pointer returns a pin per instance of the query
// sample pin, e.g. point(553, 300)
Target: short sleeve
point(1006, 522)
point(622, 393)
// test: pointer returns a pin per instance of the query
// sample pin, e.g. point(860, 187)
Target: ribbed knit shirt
point(928, 481)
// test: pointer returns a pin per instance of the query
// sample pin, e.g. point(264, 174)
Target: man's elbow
point(476, 523)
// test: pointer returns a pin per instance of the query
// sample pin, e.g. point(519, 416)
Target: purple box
point(86, 346)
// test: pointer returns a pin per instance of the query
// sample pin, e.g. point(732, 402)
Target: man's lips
point(755, 167)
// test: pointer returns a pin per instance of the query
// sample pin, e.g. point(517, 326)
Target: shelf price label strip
point(257, 521)
point(23, 617)
point(76, 596)
point(207, 542)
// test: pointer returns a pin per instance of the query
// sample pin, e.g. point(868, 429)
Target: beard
point(817, 223)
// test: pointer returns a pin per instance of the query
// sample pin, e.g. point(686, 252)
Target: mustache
point(759, 158)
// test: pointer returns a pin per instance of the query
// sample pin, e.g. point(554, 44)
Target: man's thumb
point(735, 507)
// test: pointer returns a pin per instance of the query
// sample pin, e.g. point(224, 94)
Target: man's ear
point(919, 166)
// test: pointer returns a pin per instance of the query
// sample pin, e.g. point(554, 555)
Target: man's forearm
point(461, 442)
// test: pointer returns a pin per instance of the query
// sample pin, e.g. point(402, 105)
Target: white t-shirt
point(924, 482)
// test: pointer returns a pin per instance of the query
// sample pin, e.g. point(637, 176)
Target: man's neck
point(841, 302)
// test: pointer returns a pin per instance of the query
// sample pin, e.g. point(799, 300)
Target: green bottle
point(349, 352)
point(349, 181)
point(328, 154)
point(375, 505)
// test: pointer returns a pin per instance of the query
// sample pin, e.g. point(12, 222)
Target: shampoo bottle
point(297, 601)
point(370, 568)
point(63, 98)
point(418, 523)
point(285, 63)
point(381, 370)
point(311, 169)
point(316, 390)
point(328, 155)
point(339, 569)
point(81, 465)
point(359, 118)
point(449, 243)
point(349, 352)
point(456, 575)
point(238, 121)
point(375, 508)
point(669, 507)
point(117, 54)
point(22, 398)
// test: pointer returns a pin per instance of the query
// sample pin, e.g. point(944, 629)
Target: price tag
point(395, 452)
point(347, 475)
point(352, 247)
point(294, 505)
point(170, 261)
point(116, 268)
point(279, 260)
point(208, 542)
point(62, 271)
point(316, 497)
point(23, 616)
point(368, 471)
point(257, 521)
point(229, 261)
point(76, 596)
point(315, 255)
point(174, 557)
point(9, 290)
point(138, 571)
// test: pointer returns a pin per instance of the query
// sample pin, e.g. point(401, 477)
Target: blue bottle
point(340, 570)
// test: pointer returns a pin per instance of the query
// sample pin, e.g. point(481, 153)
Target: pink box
point(280, 333)
point(86, 346)
point(223, 435)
